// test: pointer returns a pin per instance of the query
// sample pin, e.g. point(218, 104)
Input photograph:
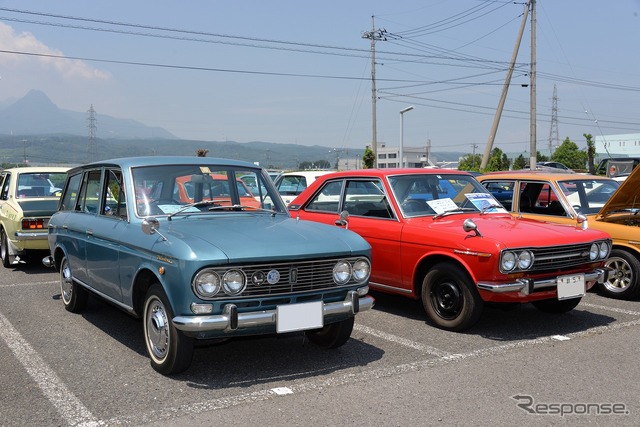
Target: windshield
point(40, 184)
point(433, 194)
point(165, 190)
point(588, 196)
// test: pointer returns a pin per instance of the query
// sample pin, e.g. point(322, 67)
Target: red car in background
point(440, 236)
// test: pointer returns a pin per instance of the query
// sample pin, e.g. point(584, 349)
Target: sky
point(299, 72)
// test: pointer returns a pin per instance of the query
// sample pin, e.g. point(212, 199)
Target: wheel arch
point(144, 279)
point(427, 263)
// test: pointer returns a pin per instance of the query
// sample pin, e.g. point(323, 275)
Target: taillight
point(33, 224)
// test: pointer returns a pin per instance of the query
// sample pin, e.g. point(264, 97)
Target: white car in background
point(291, 184)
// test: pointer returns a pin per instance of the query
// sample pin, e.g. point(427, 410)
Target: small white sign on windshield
point(442, 205)
point(485, 202)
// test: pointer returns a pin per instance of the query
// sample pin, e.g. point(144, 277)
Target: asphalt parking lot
point(514, 367)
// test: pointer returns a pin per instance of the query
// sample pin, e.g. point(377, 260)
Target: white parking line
point(348, 378)
point(65, 402)
point(614, 309)
point(402, 341)
point(13, 285)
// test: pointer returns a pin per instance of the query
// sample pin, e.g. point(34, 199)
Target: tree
point(570, 155)
point(591, 153)
point(202, 152)
point(368, 158)
point(498, 161)
point(519, 163)
point(470, 162)
point(541, 157)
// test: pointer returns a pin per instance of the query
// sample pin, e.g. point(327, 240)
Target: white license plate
point(299, 317)
point(571, 286)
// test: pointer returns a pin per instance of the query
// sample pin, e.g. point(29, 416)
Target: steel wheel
point(4, 248)
point(450, 297)
point(74, 297)
point(623, 280)
point(169, 349)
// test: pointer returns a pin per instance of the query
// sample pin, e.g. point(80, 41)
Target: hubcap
point(157, 328)
point(621, 277)
point(66, 283)
point(447, 300)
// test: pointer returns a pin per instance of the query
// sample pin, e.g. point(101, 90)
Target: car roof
point(382, 172)
point(552, 175)
point(130, 162)
point(37, 169)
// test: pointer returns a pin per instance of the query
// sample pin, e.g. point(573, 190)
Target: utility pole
point(553, 131)
point(92, 134)
point(374, 35)
point(505, 89)
point(473, 156)
point(532, 118)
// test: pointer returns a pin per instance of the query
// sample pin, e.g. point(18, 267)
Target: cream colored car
point(28, 198)
point(597, 202)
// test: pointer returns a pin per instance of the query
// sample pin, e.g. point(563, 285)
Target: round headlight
point(361, 270)
point(207, 284)
point(341, 272)
point(594, 250)
point(233, 282)
point(525, 260)
point(604, 250)
point(508, 261)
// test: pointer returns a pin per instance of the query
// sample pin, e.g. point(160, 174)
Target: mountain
point(35, 114)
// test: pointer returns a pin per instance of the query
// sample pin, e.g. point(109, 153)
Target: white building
point(625, 145)
point(414, 157)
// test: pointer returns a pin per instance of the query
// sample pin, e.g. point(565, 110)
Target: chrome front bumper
point(528, 286)
point(230, 320)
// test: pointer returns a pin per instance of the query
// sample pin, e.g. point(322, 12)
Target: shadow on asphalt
point(501, 322)
point(239, 362)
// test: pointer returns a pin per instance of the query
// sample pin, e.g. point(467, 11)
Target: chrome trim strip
point(222, 322)
point(390, 288)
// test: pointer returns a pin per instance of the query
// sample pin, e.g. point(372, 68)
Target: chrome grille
point(294, 277)
point(559, 257)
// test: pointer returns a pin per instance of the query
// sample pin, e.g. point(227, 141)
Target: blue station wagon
point(162, 239)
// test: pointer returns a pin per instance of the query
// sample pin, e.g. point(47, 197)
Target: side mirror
point(343, 220)
point(468, 225)
point(582, 221)
point(150, 225)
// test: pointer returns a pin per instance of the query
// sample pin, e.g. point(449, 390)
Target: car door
point(104, 233)
point(371, 216)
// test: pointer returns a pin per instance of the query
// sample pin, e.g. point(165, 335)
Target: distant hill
point(35, 114)
point(35, 129)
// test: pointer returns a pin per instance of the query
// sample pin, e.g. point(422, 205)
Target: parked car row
point(206, 249)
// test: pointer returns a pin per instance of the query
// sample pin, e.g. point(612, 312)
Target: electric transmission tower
point(553, 131)
point(91, 120)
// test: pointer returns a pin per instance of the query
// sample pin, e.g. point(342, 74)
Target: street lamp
point(404, 110)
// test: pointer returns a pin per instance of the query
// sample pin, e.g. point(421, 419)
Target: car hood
point(625, 197)
point(506, 231)
point(252, 238)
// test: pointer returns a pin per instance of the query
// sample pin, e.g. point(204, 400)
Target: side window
point(89, 193)
point(327, 199)
point(70, 197)
point(114, 197)
point(502, 191)
point(5, 186)
point(366, 198)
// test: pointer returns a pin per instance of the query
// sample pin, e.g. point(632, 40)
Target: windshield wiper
point(191, 205)
point(452, 211)
point(241, 207)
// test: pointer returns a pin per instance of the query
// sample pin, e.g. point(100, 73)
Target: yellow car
point(594, 201)
point(28, 198)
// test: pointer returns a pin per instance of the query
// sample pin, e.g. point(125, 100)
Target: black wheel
point(556, 306)
point(4, 248)
point(450, 298)
point(624, 282)
point(74, 297)
point(333, 335)
point(170, 350)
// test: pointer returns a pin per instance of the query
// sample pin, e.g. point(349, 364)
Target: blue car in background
point(206, 266)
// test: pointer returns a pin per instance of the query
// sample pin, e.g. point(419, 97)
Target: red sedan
point(440, 236)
